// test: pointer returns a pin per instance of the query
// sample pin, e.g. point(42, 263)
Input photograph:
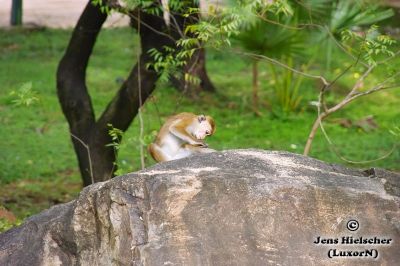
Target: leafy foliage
point(395, 131)
point(281, 41)
point(333, 17)
point(286, 87)
point(370, 45)
point(5, 224)
point(215, 32)
point(103, 7)
point(273, 40)
point(24, 95)
point(116, 135)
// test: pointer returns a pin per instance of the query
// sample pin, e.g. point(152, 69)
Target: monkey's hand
point(197, 143)
point(205, 145)
point(196, 146)
point(201, 145)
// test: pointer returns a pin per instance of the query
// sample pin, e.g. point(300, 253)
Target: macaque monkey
point(181, 136)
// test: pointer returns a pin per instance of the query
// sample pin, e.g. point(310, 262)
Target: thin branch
point(375, 89)
point(88, 152)
point(131, 15)
point(349, 98)
point(333, 148)
point(389, 78)
point(260, 16)
point(338, 44)
point(326, 88)
point(321, 103)
point(151, 28)
point(276, 62)
point(153, 100)
point(389, 58)
point(352, 95)
point(177, 26)
point(359, 82)
point(142, 163)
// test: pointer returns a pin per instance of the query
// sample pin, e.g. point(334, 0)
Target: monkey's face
point(203, 128)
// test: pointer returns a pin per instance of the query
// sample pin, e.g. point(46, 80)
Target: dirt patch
point(23, 198)
point(54, 13)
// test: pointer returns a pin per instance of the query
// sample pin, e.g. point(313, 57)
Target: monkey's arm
point(181, 133)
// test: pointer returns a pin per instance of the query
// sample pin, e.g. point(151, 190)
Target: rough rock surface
point(240, 207)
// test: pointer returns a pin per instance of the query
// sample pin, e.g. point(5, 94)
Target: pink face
point(203, 128)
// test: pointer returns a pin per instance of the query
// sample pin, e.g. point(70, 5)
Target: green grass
point(38, 166)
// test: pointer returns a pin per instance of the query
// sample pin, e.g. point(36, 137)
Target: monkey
point(182, 135)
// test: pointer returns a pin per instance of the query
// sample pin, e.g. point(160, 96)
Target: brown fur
point(212, 123)
point(156, 156)
point(184, 117)
point(184, 120)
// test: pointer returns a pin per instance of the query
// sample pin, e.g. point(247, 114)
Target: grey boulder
point(238, 207)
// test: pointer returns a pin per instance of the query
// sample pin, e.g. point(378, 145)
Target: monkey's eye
point(201, 118)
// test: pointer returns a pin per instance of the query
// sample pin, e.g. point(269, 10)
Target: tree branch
point(71, 86)
point(351, 96)
point(124, 106)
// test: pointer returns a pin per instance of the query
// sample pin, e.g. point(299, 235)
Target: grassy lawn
point(38, 167)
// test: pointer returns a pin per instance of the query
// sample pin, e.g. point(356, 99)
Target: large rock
point(242, 207)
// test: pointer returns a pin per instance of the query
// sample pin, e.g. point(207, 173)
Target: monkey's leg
point(158, 154)
point(205, 150)
point(183, 153)
point(188, 150)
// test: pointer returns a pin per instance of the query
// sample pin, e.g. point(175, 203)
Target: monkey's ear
point(201, 118)
point(212, 123)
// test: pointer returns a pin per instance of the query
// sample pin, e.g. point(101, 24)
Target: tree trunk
point(196, 66)
point(90, 137)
